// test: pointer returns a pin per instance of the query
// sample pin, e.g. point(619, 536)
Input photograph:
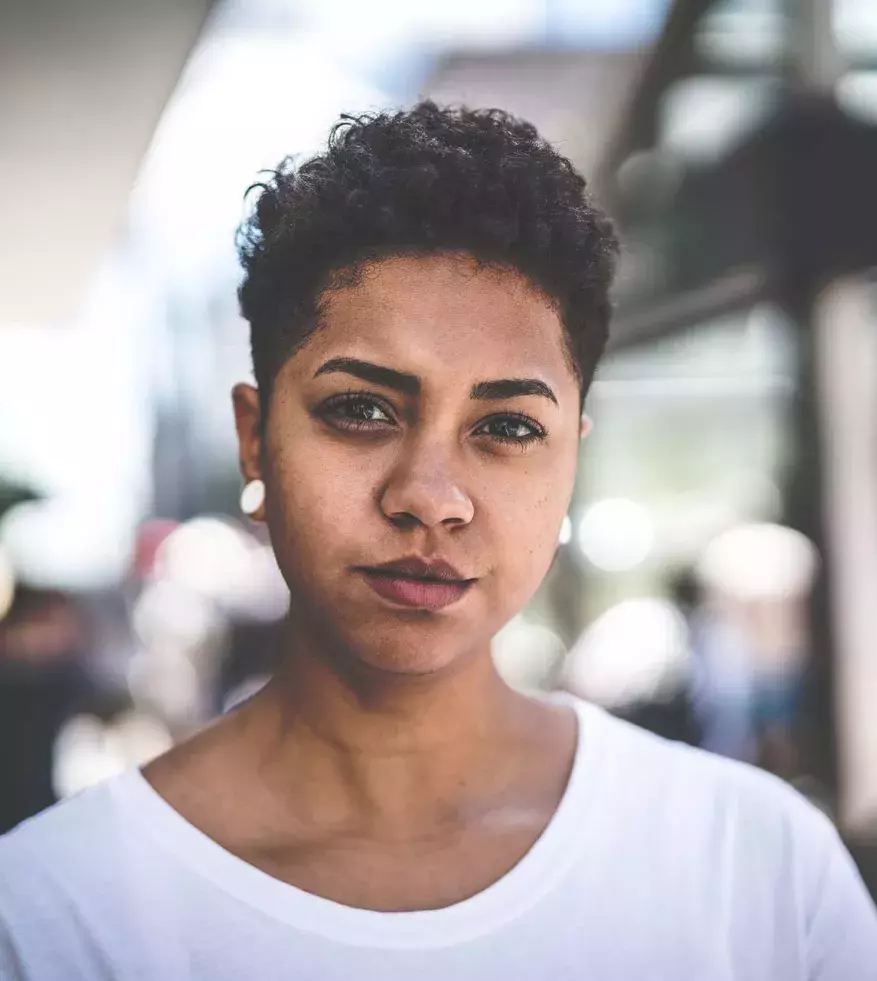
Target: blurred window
point(691, 433)
point(702, 117)
point(855, 27)
point(743, 33)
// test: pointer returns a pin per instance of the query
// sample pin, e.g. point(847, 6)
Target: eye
point(357, 408)
point(512, 429)
point(357, 411)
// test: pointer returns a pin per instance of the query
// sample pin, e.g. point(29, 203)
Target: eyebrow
point(407, 384)
point(509, 388)
point(401, 381)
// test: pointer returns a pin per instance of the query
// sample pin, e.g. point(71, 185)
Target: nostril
point(404, 519)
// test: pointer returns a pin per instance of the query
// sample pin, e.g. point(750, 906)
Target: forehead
point(443, 318)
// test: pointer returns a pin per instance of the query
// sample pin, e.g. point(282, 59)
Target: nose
point(422, 490)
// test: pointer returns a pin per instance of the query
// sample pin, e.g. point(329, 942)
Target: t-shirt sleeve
point(842, 934)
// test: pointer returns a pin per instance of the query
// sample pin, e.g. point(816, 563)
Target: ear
point(585, 426)
point(248, 422)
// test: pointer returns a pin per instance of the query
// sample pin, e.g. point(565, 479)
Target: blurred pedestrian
point(43, 683)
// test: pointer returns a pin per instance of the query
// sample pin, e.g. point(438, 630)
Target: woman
point(427, 301)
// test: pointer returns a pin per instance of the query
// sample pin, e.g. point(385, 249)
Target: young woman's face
point(419, 457)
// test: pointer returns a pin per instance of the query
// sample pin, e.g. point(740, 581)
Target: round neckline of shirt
point(550, 857)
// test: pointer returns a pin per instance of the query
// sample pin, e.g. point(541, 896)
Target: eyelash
point(332, 409)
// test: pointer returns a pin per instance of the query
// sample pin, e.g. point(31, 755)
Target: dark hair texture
point(423, 181)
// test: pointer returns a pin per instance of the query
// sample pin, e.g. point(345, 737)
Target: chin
point(397, 643)
point(412, 649)
point(407, 663)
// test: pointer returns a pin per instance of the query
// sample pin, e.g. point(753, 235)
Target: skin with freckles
point(433, 413)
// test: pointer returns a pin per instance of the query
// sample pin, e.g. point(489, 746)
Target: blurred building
point(742, 382)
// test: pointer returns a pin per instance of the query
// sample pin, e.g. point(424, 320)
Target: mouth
point(417, 583)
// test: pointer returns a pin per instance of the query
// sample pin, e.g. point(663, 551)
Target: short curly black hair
point(418, 182)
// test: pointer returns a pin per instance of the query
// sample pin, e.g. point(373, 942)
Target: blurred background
point(716, 578)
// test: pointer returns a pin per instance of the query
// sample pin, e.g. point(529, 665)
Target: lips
point(417, 583)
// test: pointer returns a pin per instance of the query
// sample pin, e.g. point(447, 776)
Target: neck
point(374, 745)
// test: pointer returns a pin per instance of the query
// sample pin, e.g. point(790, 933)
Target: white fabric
point(662, 862)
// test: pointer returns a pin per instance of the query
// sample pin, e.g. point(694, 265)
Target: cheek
point(527, 523)
point(529, 543)
point(315, 503)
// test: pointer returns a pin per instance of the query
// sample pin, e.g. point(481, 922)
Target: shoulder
point(736, 845)
point(75, 839)
point(62, 899)
point(662, 764)
point(77, 817)
point(721, 805)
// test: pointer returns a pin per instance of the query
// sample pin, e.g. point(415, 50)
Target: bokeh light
point(616, 534)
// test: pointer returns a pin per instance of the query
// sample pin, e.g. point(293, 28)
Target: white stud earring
point(253, 497)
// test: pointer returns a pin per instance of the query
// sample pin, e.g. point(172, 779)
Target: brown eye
point(513, 429)
point(353, 410)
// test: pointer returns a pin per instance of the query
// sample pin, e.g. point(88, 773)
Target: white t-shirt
point(661, 862)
